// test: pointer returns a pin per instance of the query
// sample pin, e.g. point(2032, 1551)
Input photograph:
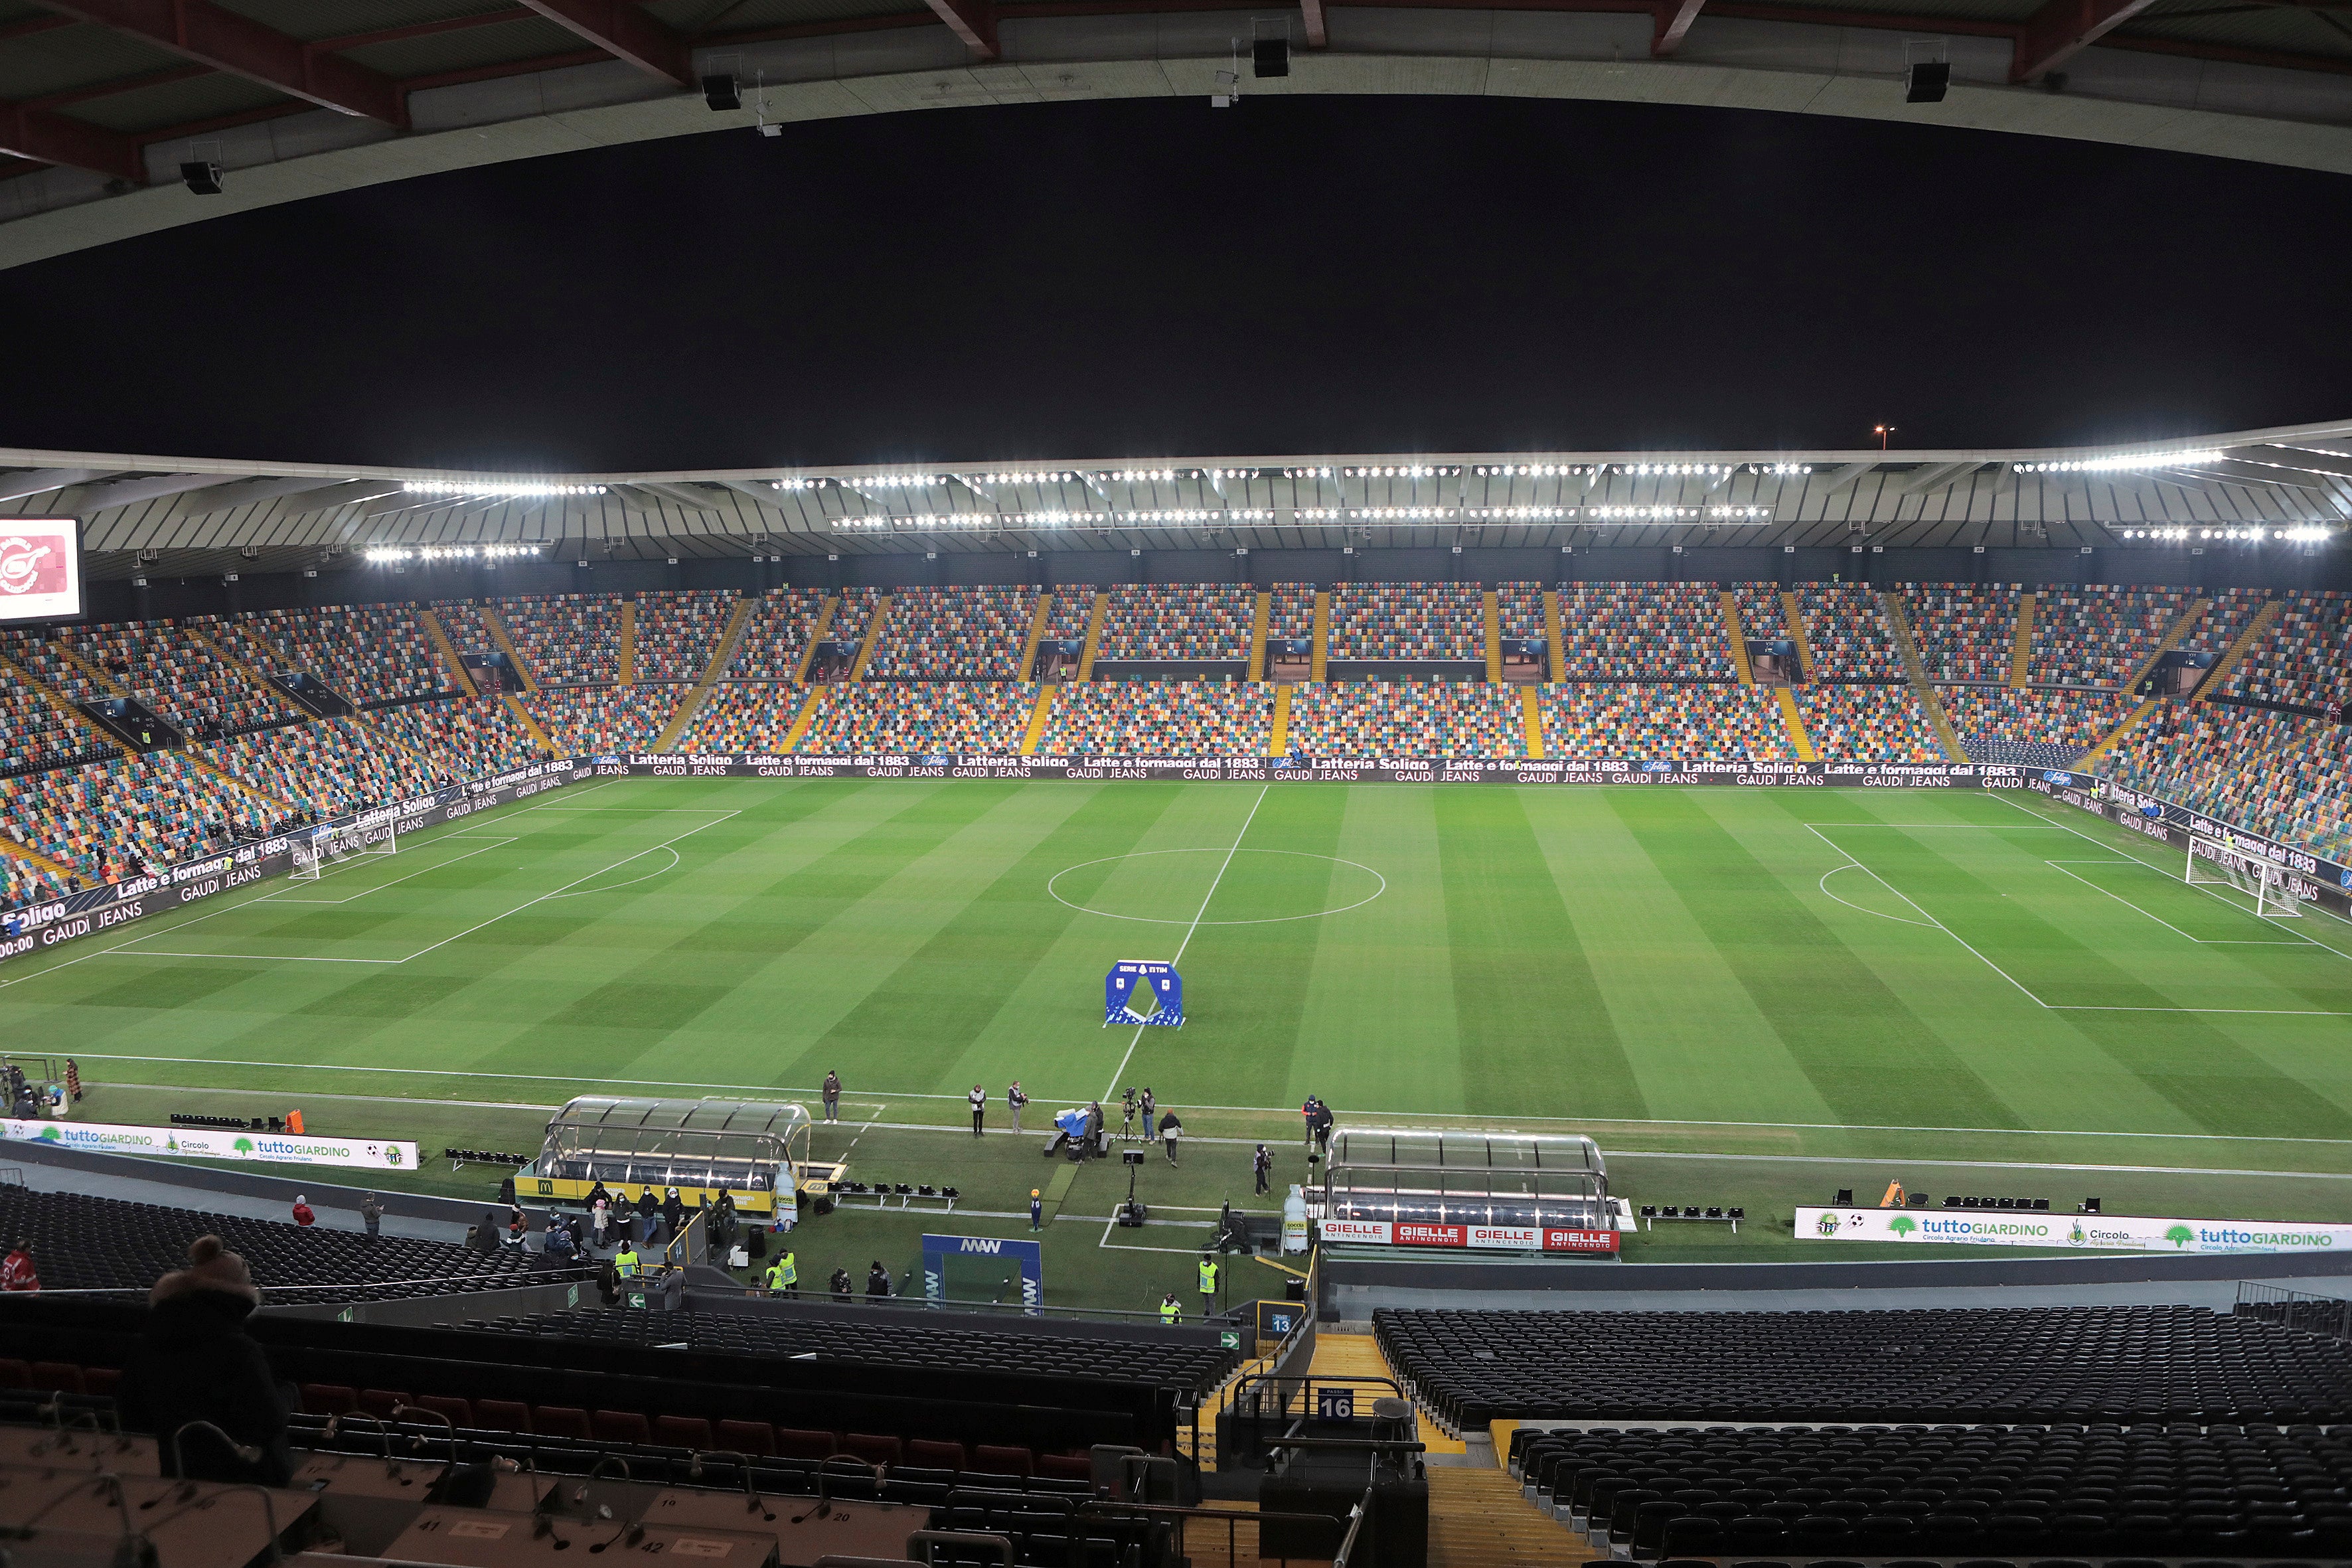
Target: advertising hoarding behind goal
point(196, 1143)
point(41, 568)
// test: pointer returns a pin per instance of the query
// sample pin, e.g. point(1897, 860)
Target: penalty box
point(388, 909)
point(2131, 935)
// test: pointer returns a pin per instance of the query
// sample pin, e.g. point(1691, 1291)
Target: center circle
point(1255, 886)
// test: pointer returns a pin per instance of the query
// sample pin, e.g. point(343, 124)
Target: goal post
point(332, 847)
point(2215, 863)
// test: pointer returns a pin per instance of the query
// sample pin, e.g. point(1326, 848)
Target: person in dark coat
point(841, 1286)
point(673, 1213)
point(598, 1191)
point(647, 1207)
point(877, 1280)
point(196, 1362)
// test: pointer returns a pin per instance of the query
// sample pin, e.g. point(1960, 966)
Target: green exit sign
point(1229, 1339)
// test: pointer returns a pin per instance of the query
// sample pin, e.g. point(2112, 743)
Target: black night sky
point(1162, 279)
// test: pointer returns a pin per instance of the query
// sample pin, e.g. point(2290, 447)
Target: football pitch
point(1750, 996)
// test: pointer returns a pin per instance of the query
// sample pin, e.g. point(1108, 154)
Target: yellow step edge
point(628, 642)
point(440, 636)
point(497, 630)
point(1531, 710)
point(2114, 737)
point(799, 731)
point(234, 782)
point(2236, 654)
point(1493, 613)
point(1794, 723)
point(1796, 619)
point(723, 653)
point(1095, 618)
point(97, 672)
point(1279, 744)
point(252, 674)
point(2020, 647)
point(33, 856)
point(872, 638)
point(1555, 643)
point(530, 725)
point(40, 688)
point(2170, 640)
point(1036, 634)
point(816, 636)
point(1260, 618)
point(1322, 637)
point(1914, 671)
point(680, 716)
point(1038, 715)
point(1733, 630)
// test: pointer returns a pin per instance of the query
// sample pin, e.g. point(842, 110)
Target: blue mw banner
point(1143, 991)
point(1030, 1256)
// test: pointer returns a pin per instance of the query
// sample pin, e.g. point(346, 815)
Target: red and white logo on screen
point(37, 568)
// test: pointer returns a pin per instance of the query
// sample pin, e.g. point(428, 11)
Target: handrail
point(1356, 1517)
point(1232, 1518)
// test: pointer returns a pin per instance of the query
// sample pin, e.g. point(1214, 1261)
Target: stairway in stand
point(1478, 1519)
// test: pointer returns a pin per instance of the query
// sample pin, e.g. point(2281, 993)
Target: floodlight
point(722, 91)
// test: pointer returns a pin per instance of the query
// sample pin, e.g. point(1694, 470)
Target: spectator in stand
point(557, 1247)
point(16, 1271)
point(302, 1211)
point(197, 1363)
point(673, 1213)
point(371, 1215)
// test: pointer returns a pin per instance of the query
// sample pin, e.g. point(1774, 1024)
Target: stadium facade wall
point(116, 599)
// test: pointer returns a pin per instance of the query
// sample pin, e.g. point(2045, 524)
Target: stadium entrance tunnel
point(1216, 886)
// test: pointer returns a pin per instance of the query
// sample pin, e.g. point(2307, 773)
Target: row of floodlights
point(517, 488)
point(2303, 535)
point(1369, 471)
point(881, 522)
point(2128, 463)
point(385, 554)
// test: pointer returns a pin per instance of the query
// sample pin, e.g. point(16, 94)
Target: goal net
point(333, 847)
point(2215, 863)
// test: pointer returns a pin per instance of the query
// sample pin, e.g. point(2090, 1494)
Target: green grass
point(1747, 996)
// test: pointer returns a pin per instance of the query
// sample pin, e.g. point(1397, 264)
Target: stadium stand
point(461, 738)
point(1194, 1368)
point(2233, 611)
point(1407, 719)
point(90, 1243)
point(1290, 610)
point(1073, 605)
point(1859, 723)
point(775, 635)
point(1178, 621)
point(857, 609)
point(744, 717)
point(568, 640)
point(677, 631)
point(367, 654)
point(36, 733)
point(1660, 722)
point(2282, 774)
point(1847, 635)
point(2098, 635)
point(2007, 1364)
point(582, 720)
point(331, 768)
point(1407, 621)
point(2304, 660)
point(1519, 610)
point(1161, 718)
point(1967, 631)
point(181, 680)
point(2080, 1489)
point(2043, 728)
point(954, 634)
point(920, 717)
point(1644, 631)
point(105, 820)
point(1763, 617)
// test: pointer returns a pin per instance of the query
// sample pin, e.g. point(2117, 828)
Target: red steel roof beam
point(1674, 19)
point(973, 21)
point(208, 34)
point(1316, 34)
point(622, 30)
point(2053, 35)
point(69, 143)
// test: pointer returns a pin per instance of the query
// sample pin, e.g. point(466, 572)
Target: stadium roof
point(100, 101)
point(185, 517)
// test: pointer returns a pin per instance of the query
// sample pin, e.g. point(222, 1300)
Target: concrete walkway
point(43, 1178)
point(1356, 1303)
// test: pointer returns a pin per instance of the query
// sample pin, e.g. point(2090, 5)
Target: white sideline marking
point(1409, 1118)
point(1983, 1164)
point(1815, 828)
point(434, 947)
point(2200, 940)
point(1181, 946)
point(488, 844)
